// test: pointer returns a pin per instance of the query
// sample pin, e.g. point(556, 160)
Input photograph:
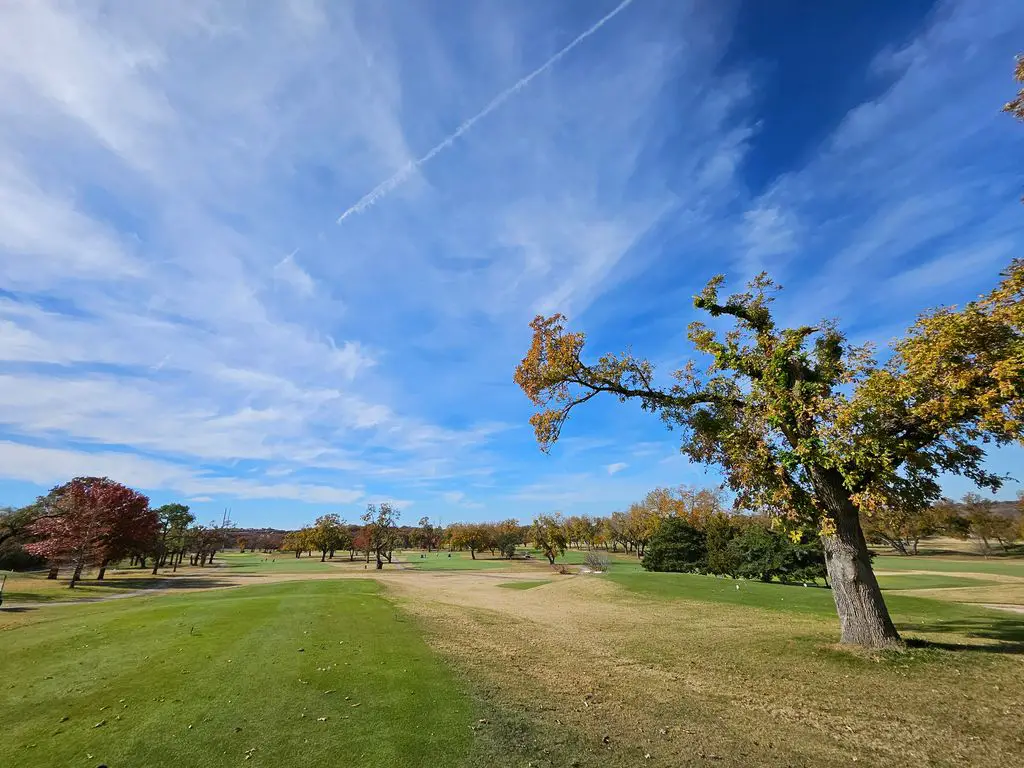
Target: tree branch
point(759, 319)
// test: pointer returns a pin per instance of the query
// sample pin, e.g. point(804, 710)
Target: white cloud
point(618, 466)
point(289, 272)
point(49, 466)
point(767, 233)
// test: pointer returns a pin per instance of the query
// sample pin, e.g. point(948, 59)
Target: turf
point(459, 561)
point(523, 584)
point(929, 581)
point(35, 587)
point(202, 679)
point(911, 614)
point(283, 562)
point(1014, 567)
point(618, 562)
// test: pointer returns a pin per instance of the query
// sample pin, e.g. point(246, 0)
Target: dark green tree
point(676, 546)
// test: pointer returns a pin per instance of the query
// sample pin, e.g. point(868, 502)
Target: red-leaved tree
point(96, 521)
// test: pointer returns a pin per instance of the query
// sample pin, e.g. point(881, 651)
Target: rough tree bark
point(52, 574)
point(863, 616)
point(76, 575)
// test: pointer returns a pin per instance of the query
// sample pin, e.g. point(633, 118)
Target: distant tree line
point(974, 518)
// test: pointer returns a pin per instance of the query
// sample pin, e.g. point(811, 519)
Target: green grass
point(459, 561)
point(199, 679)
point(618, 562)
point(911, 614)
point(282, 562)
point(1003, 567)
point(524, 584)
point(36, 588)
point(929, 581)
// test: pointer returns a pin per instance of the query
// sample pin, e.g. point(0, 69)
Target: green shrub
point(677, 546)
point(764, 554)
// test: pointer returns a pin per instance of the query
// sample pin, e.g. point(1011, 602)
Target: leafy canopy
point(788, 411)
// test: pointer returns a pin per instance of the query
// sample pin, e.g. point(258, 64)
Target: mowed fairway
point(293, 674)
point(523, 666)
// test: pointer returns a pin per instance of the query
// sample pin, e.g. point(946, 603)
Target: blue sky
point(181, 308)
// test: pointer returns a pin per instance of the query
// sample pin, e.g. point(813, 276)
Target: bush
point(722, 559)
point(14, 558)
point(597, 561)
point(764, 554)
point(677, 546)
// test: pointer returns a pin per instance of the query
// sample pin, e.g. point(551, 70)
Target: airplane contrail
point(385, 187)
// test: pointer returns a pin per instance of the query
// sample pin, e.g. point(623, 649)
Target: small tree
point(327, 535)
point(985, 524)
point(381, 522)
point(173, 521)
point(471, 536)
point(596, 561)
point(548, 534)
point(427, 534)
point(903, 525)
point(508, 536)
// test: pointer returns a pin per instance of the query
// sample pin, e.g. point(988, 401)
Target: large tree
point(809, 427)
point(94, 520)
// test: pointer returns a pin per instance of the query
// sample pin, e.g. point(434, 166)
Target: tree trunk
point(54, 570)
point(472, 554)
point(102, 571)
point(75, 576)
point(323, 555)
point(863, 617)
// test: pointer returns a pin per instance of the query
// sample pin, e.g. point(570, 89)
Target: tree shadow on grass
point(1008, 631)
point(118, 589)
point(142, 583)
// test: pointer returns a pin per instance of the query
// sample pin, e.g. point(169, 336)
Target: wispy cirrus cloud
point(158, 160)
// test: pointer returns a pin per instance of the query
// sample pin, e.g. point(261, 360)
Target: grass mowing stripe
point(229, 665)
point(1013, 567)
point(929, 581)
